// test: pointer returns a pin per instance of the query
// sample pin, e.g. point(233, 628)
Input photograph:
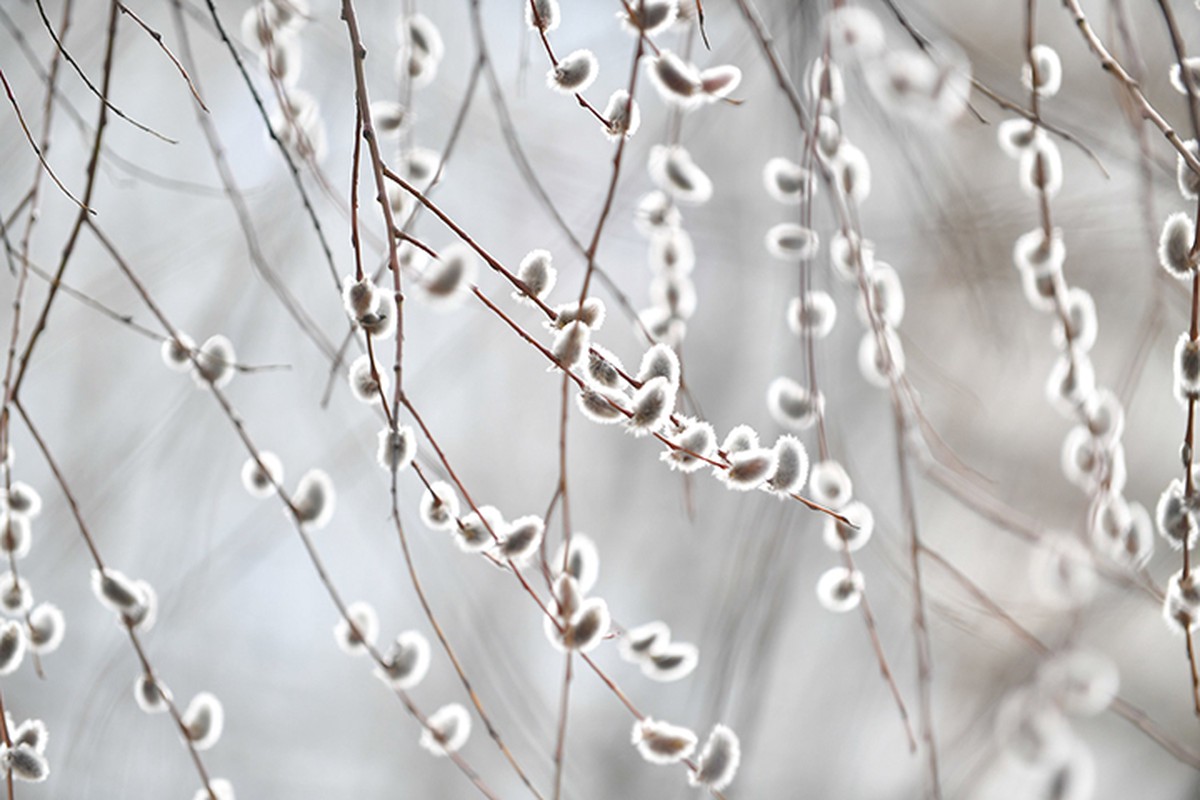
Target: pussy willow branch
point(1121, 707)
point(529, 175)
point(541, 31)
point(926, 45)
point(900, 395)
point(1131, 87)
point(310, 549)
point(551, 314)
point(444, 640)
point(238, 202)
point(1188, 453)
point(515, 569)
point(94, 551)
point(293, 170)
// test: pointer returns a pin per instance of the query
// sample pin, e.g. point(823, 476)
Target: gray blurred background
point(155, 465)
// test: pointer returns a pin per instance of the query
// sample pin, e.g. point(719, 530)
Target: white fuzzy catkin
point(543, 15)
point(887, 297)
point(640, 643)
point(1071, 383)
point(841, 537)
point(749, 469)
point(357, 639)
point(656, 213)
point(676, 81)
point(662, 743)
point(1181, 606)
point(1175, 245)
point(314, 499)
point(1081, 682)
point(850, 254)
point(397, 448)
point(439, 506)
point(204, 720)
point(381, 323)
point(787, 182)
point(1133, 543)
point(150, 695)
point(16, 534)
point(675, 294)
point(829, 484)
point(814, 314)
point(719, 82)
point(1084, 324)
point(1175, 517)
point(261, 477)
point(791, 466)
point(24, 763)
point(1041, 169)
point(446, 278)
point(12, 646)
point(697, 437)
point(840, 589)
point(388, 117)
point(31, 733)
point(571, 345)
point(479, 530)
point(854, 31)
point(1017, 135)
point(880, 365)
point(602, 405)
point(791, 242)
point(1048, 68)
point(419, 32)
point(538, 274)
point(740, 438)
point(143, 616)
point(672, 251)
point(673, 171)
point(15, 595)
point(823, 80)
point(583, 561)
point(652, 404)
point(176, 353)
point(718, 761)
point(521, 539)
point(215, 362)
point(792, 405)
point(221, 788)
point(116, 591)
point(1187, 179)
point(367, 384)
point(1192, 65)
point(1062, 572)
point(591, 313)
point(852, 172)
point(649, 17)
point(588, 626)
point(675, 661)
point(47, 627)
point(406, 663)
point(1187, 368)
point(574, 73)
point(447, 730)
point(660, 361)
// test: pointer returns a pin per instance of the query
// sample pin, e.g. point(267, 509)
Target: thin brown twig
point(37, 150)
point(101, 94)
point(158, 40)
